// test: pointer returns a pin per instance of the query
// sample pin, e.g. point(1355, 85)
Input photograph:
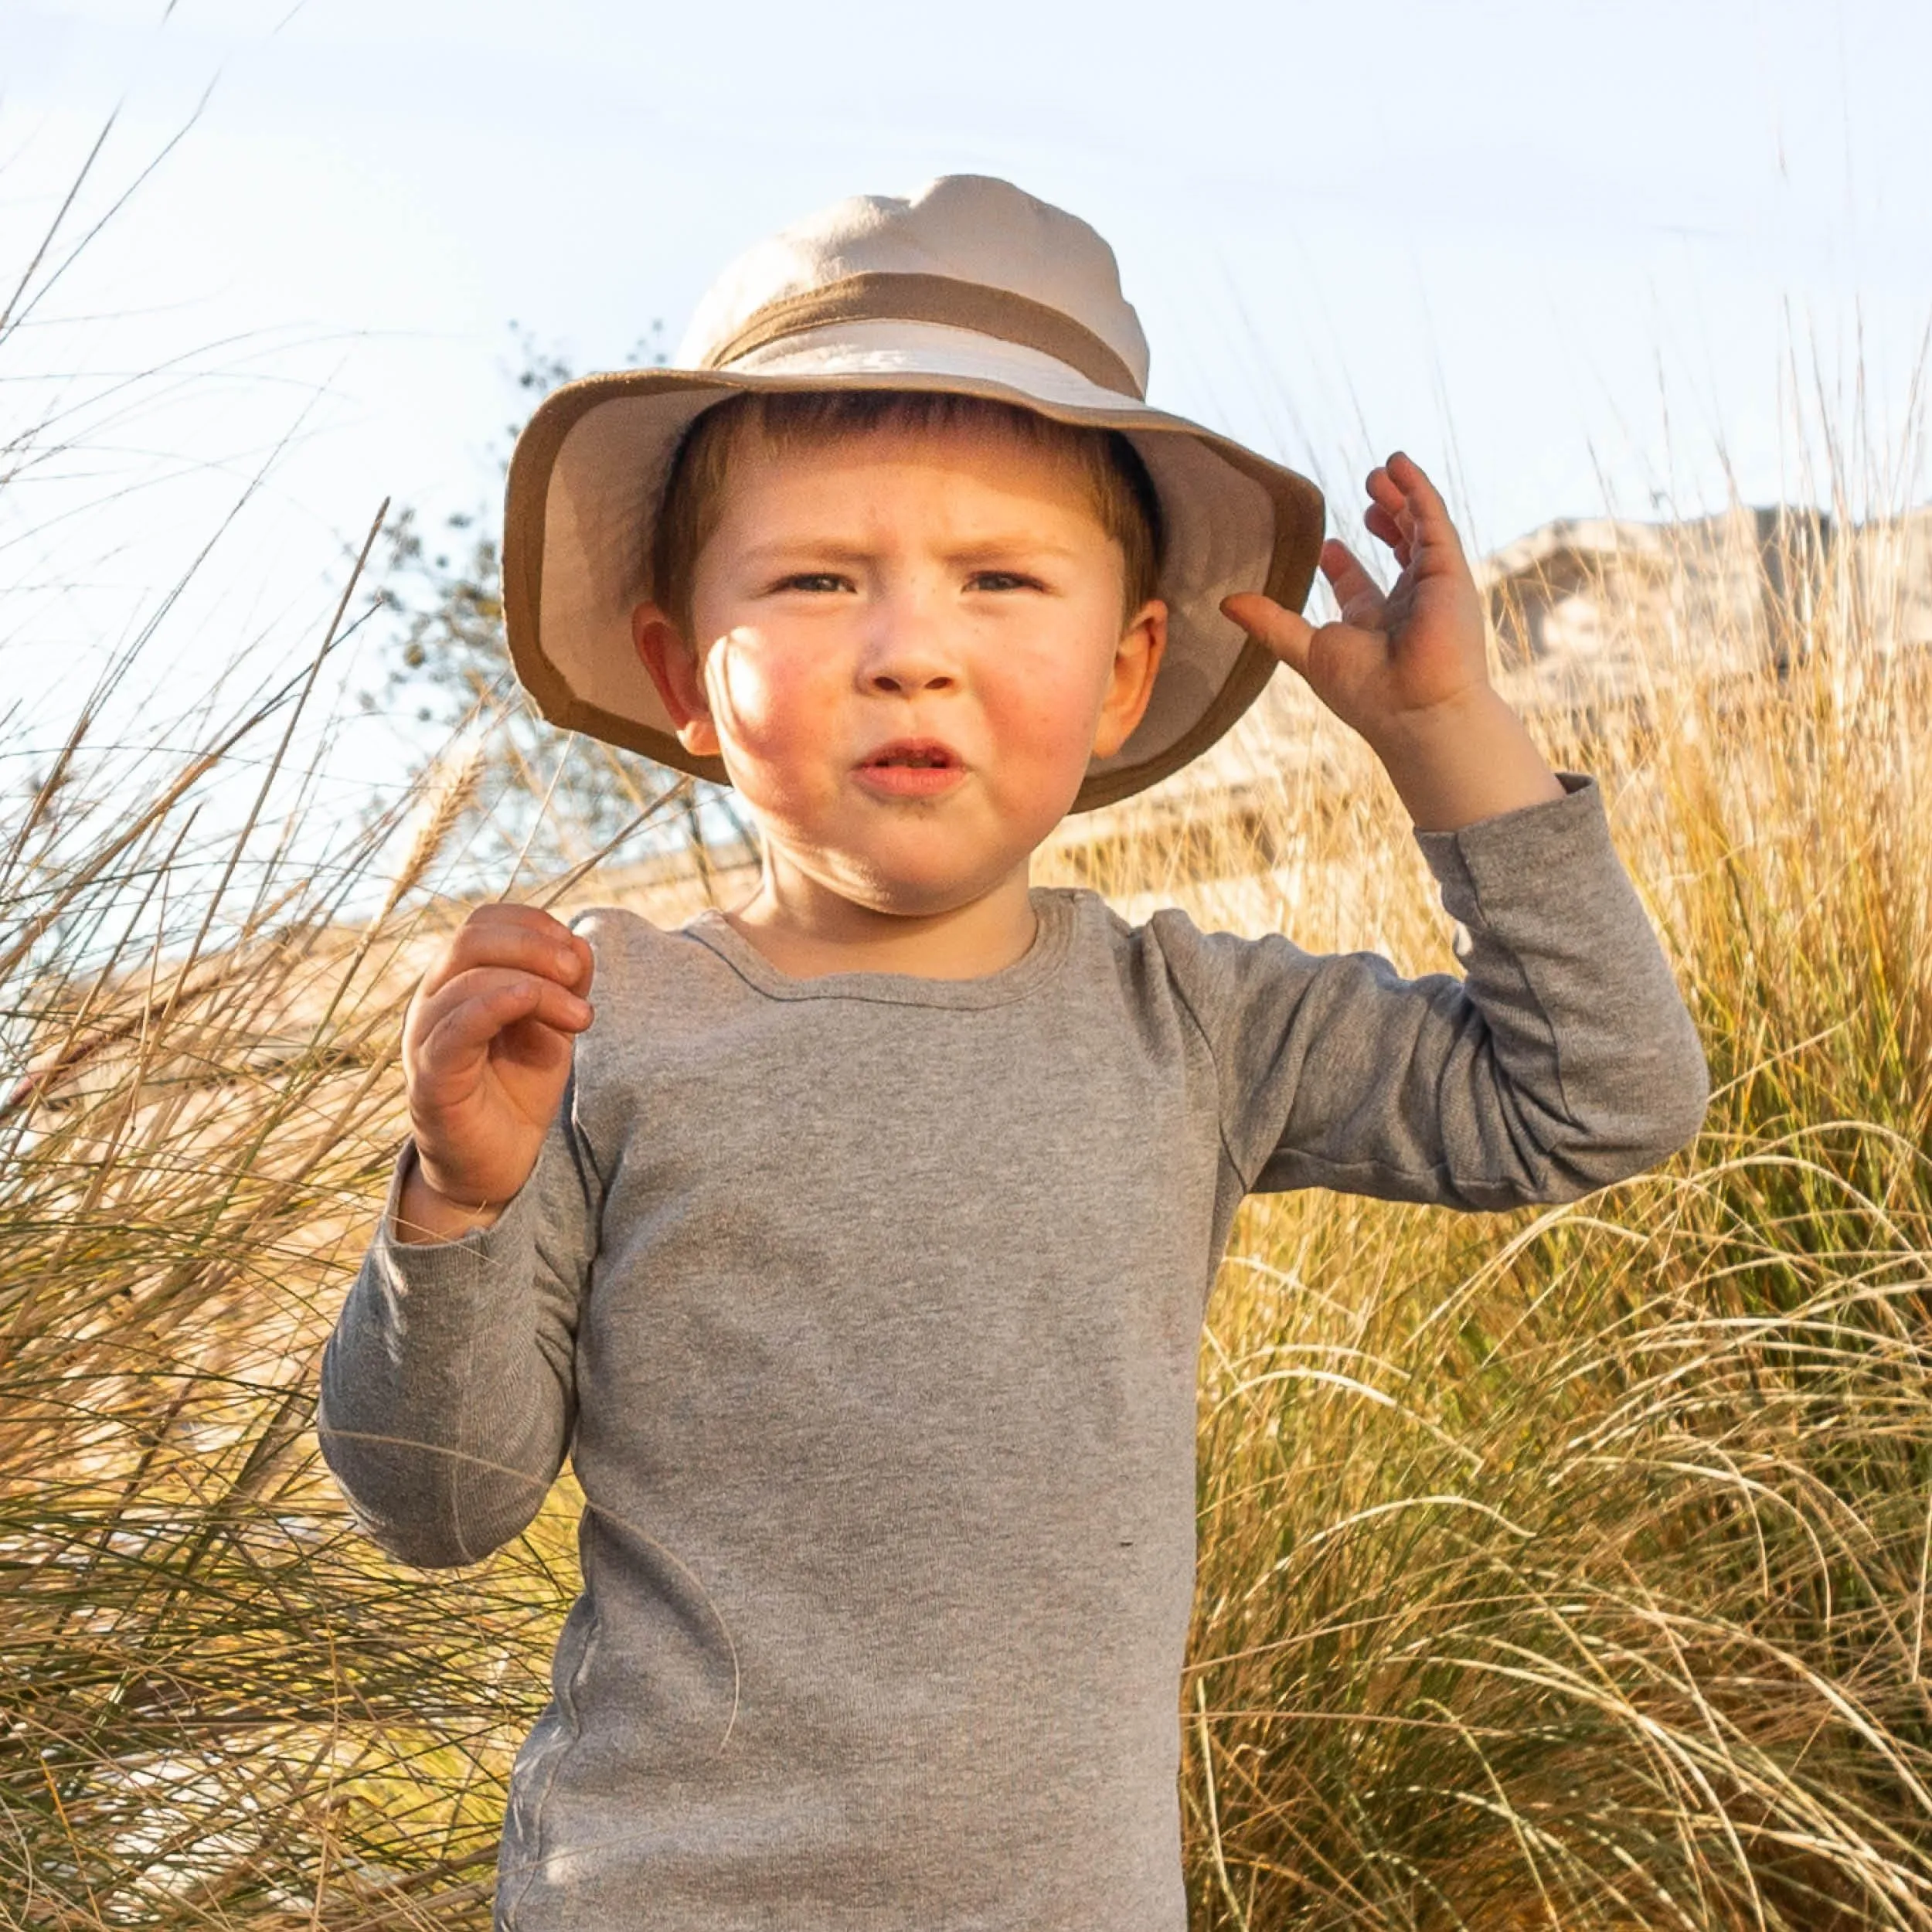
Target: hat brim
point(587, 474)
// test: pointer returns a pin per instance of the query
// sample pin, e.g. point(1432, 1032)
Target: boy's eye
point(813, 580)
point(1005, 580)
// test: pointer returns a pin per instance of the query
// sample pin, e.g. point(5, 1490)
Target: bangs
point(1118, 489)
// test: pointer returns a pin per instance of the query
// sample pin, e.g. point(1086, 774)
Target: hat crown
point(973, 229)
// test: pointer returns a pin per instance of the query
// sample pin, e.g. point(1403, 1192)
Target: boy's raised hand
point(486, 1052)
point(1387, 657)
point(1409, 670)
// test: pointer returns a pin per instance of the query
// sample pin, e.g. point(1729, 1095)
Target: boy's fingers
point(505, 912)
point(1378, 523)
point(1411, 477)
point(554, 952)
point(469, 1012)
point(1387, 495)
point(1284, 632)
point(532, 919)
point(1362, 602)
point(1433, 523)
point(538, 943)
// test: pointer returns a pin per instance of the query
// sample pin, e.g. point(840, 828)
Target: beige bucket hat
point(969, 286)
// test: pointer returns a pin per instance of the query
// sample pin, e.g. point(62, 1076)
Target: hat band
point(878, 297)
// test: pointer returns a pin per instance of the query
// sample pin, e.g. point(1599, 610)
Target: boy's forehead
point(945, 439)
point(988, 453)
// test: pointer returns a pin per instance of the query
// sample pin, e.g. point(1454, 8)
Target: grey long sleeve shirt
point(868, 1307)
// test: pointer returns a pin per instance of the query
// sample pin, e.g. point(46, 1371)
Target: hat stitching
point(880, 297)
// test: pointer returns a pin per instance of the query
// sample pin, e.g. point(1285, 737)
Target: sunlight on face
point(953, 587)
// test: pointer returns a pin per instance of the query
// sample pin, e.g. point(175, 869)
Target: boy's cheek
point(1044, 713)
point(752, 699)
point(781, 728)
point(771, 758)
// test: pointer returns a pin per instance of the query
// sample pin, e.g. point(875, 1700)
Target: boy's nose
point(904, 675)
point(905, 653)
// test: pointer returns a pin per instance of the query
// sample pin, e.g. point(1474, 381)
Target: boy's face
point(953, 587)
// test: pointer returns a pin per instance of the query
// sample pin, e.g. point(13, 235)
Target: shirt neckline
point(1053, 909)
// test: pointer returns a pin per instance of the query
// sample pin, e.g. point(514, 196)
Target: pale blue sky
point(1559, 252)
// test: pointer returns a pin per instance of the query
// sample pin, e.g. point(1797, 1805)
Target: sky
point(1573, 256)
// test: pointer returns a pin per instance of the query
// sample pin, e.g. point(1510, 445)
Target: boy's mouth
point(918, 752)
point(912, 768)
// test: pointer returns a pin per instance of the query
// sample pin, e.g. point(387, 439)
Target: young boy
point(856, 1249)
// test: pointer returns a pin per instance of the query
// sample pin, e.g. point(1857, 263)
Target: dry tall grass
point(1564, 1569)
point(1570, 1569)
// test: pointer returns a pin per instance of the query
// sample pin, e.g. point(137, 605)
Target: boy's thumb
point(1286, 633)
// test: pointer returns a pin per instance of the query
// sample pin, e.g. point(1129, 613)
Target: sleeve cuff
point(468, 1256)
point(1522, 851)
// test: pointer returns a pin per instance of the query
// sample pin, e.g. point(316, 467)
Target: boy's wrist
point(424, 1215)
point(1468, 759)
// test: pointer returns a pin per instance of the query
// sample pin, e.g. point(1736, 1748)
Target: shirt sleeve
point(1562, 1060)
point(448, 1389)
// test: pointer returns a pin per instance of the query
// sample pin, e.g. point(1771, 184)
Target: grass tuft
point(1565, 1569)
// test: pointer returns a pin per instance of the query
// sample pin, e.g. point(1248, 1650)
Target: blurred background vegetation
point(1562, 1568)
point(555, 796)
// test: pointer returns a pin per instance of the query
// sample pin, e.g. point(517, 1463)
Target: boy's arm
point(1564, 1059)
point(448, 1392)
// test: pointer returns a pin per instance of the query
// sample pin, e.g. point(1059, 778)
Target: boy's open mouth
point(919, 752)
point(912, 768)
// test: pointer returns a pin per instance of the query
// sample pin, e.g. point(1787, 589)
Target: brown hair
point(1118, 487)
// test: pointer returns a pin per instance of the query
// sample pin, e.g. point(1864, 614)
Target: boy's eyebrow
point(841, 550)
point(1010, 546)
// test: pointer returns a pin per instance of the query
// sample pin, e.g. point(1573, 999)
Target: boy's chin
point(918, 887)
point(920, 896)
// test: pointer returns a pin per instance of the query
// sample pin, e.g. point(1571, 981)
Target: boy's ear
point(673, 665)
point(1137, 659)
